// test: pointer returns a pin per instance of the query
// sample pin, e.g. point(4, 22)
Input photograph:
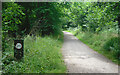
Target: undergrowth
point(41, 55)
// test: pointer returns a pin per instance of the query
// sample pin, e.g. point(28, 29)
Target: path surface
point(79, 58)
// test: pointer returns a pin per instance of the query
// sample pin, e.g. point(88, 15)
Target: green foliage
point(47, 15)
point(41, 55)
point(113, 45)
point(99, 18)
point(93, 17)
point(12, 18)
point(25, 18)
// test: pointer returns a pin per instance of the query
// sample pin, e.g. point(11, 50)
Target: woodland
point(40, 25)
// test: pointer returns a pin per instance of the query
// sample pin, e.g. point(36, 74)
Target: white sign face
point(18, 46)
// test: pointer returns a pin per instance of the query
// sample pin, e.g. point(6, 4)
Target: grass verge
point(41, 55)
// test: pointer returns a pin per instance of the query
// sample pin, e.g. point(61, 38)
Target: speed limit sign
point(18, 49)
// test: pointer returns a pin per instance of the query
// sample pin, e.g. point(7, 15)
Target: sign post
point(18, 49)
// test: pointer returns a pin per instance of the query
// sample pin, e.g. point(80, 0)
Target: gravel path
point(79, 58)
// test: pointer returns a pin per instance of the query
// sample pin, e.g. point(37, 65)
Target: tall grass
point(41, 55)
point(105, 42)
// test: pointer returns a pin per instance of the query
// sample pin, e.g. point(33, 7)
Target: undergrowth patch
point(41, 55)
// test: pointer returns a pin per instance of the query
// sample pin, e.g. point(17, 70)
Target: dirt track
point(79, 58)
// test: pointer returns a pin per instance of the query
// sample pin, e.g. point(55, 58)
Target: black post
point(18, 49)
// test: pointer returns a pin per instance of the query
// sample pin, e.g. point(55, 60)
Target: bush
point(113, 46)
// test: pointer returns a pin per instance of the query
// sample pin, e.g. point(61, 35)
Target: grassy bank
point(41, 55)
point(105, 42)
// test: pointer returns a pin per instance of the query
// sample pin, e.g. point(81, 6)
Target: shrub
point(113, 46)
